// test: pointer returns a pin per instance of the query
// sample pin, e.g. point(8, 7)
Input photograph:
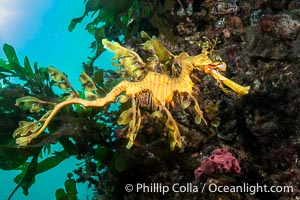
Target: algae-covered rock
point(274, 37)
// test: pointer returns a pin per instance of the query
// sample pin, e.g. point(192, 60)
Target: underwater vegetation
point(122, 20)
point(153, 82)
point(25, 79)
point(188, 127)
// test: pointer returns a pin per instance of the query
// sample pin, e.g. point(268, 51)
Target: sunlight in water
point(20, 20)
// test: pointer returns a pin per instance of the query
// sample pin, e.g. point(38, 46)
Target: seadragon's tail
point(30, 130)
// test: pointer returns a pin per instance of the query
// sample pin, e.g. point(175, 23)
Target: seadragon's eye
point(222, 66)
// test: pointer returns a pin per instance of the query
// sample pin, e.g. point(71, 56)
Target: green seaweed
point(70, 191)
point(34, 77)
point(35, 80)
point(27, 176)
point(12, 157)
point(121, 20)
point(13, 65)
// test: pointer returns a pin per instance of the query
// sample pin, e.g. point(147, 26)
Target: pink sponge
point(220, 161)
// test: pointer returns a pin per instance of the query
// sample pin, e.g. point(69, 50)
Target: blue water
point(39, 29)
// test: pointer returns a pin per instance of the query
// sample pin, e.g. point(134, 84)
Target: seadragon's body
point(161, 88)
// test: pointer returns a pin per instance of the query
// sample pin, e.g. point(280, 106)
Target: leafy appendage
point(29, 130)
point(126, 117)
point(132, 116)
point(61, 81)
point(174, 133)
point(31, 103)
point(153, 44)
point(90, 89)
point(199, 117)
point(132, 66)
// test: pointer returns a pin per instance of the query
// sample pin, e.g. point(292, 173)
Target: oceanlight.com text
point(212, 187)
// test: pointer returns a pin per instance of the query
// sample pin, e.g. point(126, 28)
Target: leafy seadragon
point(140, 78)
